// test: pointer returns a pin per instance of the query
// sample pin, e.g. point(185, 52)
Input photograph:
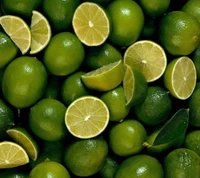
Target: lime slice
point(22, 137)
point(91, 24)
point(87, 117)
point(40, 32)
point(18, 31)
point(135, 86)
point(12, 155)
point(104, 78)
point(180, 77)
point(149, 57)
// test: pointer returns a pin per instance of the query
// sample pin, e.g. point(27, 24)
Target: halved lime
point(149, 57)
point(12, 155)
point(180, 77)
point(22, 137)
point(40, 32)
point(91, 24)
point(87, 117)
point(18, 30)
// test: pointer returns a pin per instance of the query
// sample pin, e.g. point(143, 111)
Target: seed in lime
point(22, 137)
point(149, 57)
point(104, 78)
point(40, 32)
point(87, 117)
point(91, 24)
point(135, 86)
point(18, 30)
point(12, 155)
point(180, 77)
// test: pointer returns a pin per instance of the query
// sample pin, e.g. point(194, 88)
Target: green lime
point(116, 103)
point(46, 119)
point(24, 81)
point(86, 157)
point(49, 168)
point(143, 166)
point(127, 20)
point(156, 108)
point(58, 55)
point(8, 50)
point(126, 138)
point(183, 163)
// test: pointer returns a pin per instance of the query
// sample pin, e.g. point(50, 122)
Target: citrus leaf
point(174, 128)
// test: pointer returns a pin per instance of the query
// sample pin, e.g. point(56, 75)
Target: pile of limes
point(100, 88)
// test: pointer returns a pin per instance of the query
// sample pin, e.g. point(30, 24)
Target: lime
point(22, 137)
point(24, 81)
point(87, 117)
point(149, 57)
point(91, 24)
point(135, 86)
point(72, 88)
point(12, 155)
point(46, 119)
point(127, 21)
point(98, 56)
point(180, 77)
point(58, 55)
point(49, 169)
point(85, 157)
point(179, 33)
point(40, 32)
point(59, 13)
point(156, 107)
point(104, 78)
point(18, 31)
point(116, 103)
point(143, 166)
point(183, 163)
point(8, 50)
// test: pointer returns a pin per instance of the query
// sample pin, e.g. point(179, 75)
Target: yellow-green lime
point(91, 24)
point(87, 117)
point(181, 162)
point(127, 19)
point(148, 57)
point(135, 86)
point(40, 32)
point(24, 81)
point(12, 155)
point(49, 168)
point(47, 119)
point(156, 108)
point(116, 103)
point(104, 78)
point(179, 33)
point(22, 137)
point(86, 157)
point(8, 50)
point(58, 55)
point(59, 13)
point(18, 30)
point(180, 77)
point(72, 88)
point(142, 165)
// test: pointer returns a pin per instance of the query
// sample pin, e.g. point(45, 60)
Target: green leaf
point(174, 128)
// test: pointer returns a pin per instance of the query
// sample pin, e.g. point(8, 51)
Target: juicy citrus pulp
point(91, 24)
point(87, 117)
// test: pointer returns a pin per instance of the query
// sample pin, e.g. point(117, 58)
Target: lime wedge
point(149, 57)
point(87, 117)
point(18, 31)
point(22, 137)
point(91, 24)
point(12, 155)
